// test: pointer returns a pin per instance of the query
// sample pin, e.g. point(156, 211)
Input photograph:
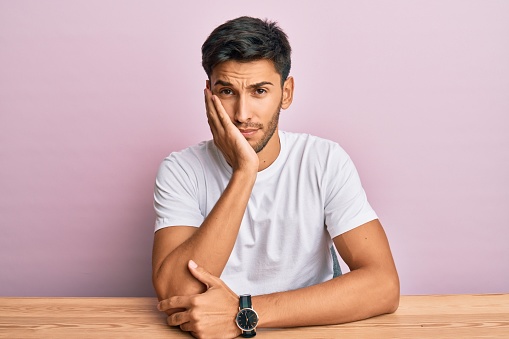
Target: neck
point(270, 152)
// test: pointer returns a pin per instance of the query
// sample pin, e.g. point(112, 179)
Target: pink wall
point(94, 94)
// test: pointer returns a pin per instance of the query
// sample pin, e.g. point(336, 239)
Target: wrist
point(245, 175)
point(247, 318)
point(266, 308)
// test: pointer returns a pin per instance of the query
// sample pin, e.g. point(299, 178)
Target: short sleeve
point(175, 194)
point(346, 204)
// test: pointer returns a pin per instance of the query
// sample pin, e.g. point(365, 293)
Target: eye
point(260, 91)
point(226, 91)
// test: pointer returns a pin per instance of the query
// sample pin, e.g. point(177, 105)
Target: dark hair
point(247, 39)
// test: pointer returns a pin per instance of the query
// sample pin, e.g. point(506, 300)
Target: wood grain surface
point(437, 316)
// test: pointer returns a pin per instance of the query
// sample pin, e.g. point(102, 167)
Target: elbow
point(160, 283)
point(393, 303)
point(169, 285)
point(391, 294)
point(160, 287)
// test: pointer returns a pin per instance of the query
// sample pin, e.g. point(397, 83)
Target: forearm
point(360, 294)
point(210, 245)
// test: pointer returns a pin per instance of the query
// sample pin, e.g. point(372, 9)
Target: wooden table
point(438, 316)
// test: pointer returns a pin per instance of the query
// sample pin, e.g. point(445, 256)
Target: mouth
point(248, 132)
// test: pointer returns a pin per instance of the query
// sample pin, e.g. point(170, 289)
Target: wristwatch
point(247, 318)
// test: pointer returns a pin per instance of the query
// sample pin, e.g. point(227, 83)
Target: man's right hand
point(227, 137)
point(210, 244)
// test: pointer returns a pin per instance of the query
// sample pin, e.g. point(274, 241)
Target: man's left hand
point(207, 315)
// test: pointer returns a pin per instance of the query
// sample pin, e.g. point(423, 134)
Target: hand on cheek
point(227, 137)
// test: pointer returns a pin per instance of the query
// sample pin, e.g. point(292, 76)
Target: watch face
point(247, 319)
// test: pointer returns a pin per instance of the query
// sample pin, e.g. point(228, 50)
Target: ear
point(207, 84)
point(287, 93)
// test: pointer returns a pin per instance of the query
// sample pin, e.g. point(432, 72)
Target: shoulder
point(201, 152)
point(317, 148)
point(192, 158)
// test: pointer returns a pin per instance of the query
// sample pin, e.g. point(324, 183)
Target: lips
point(248, 132)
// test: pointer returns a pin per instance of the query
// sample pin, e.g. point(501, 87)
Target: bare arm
point(369, 289)
point(211, 244)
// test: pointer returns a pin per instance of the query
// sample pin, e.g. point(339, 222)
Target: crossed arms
point(187, 261)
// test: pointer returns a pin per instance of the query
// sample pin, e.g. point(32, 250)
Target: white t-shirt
point(309, 195)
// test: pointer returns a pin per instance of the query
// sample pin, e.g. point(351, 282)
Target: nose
point(242, 111)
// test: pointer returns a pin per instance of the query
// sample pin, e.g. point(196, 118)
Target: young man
point(254, 211)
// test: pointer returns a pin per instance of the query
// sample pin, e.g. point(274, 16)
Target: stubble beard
point(271, 129)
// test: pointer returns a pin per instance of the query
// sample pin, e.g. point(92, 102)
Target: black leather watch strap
point(245, 301)
point(248, 334)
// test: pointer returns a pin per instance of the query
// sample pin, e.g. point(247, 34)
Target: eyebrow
point(257, 85)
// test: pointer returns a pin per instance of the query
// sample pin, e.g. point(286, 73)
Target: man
point(254, 211)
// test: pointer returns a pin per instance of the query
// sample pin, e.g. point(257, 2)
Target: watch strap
point(245, 301)
point(248, 334)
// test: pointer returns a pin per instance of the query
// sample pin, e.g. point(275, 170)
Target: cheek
point(269, 107)
point(263, 107)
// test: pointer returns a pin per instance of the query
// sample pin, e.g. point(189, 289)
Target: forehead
point(245, 72)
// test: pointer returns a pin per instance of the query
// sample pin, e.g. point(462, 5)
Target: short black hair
point(247, 39)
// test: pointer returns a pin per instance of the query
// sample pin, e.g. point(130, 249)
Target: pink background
point(94, 94)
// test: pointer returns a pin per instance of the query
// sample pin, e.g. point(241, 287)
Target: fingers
point(216, 126)
point(178, 319)
point(216, 113)
point(223, 117)
point(185, 302)
point(210, 108)
point(203, 275)
point(174, 302)
point(218, 121)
